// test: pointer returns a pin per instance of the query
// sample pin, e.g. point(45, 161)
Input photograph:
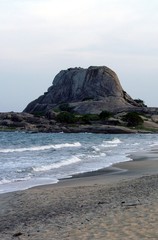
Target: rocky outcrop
point(34, 123)
point(29, 123)
point(89, 90)
point(13, 121)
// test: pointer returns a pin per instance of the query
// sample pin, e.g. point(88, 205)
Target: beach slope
point(116, 203)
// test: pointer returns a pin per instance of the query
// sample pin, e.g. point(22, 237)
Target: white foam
point(6, 181)
point(102, 154)
point(97, 149)
point(44, 168)
point(57, 146)
point(108, 145)
point(135, 144)
point(114, 141)
point(41, 148)
point(154, 144)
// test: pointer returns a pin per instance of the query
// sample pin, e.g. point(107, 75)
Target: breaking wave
point(6, 181)
point(113, 143)
point(41, 148)
point(72, 160)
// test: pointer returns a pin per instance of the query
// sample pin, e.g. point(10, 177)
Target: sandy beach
point(120, 202)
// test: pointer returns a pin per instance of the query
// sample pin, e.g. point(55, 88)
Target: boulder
point(89, 90)
point(155, 118)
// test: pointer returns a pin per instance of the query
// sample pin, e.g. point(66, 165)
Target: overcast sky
point(38, 38)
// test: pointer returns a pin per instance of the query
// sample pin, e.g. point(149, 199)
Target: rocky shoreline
point(27, 122)
point(83, 100)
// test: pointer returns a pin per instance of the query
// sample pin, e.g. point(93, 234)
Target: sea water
point(28, 160)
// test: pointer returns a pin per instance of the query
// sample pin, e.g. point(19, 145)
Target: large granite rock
point(89, 90)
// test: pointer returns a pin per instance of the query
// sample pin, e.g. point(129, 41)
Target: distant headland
point(87, 91)
point(84, 100)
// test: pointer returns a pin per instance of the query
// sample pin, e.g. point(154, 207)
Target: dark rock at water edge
point(27, 122)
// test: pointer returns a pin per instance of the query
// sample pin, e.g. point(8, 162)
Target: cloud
point(51, 26)
point(44, 36)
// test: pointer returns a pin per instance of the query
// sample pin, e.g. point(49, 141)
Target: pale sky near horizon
point(38, 38)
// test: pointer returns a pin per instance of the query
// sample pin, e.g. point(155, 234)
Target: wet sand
point(120, 202)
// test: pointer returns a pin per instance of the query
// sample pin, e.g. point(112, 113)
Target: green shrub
point(56, 110)
point(38, 114)
point(140, 102)
point(65, 117)
point(65, 107)
point(105, 115)
point(87, 118)
point(133, 119)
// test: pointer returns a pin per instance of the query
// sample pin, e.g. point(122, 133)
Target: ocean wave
point(95, 148)
point(44, 168)
point(113, 143)
point(41, 148)
point(154, 144)
point(6, 181)
point(107, 144)
point(101, 154)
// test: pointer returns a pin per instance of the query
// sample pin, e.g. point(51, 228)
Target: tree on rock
point(65, 117)
point(133, 119)
point(105, 115)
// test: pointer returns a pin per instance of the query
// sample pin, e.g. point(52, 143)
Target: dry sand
point(116, 203)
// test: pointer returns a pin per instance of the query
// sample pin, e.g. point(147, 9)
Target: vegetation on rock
point(68, 122)
point(38, 114)
point(104, 115)
point(133, 119)
point(88, 118)
point(66, 117)
point(65, 107)
point(141, 102)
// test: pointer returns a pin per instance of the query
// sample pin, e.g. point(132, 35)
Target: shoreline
point(127, 169)
point(141, 164)
point(112, 203)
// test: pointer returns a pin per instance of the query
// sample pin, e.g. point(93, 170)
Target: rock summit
point(90, 90)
